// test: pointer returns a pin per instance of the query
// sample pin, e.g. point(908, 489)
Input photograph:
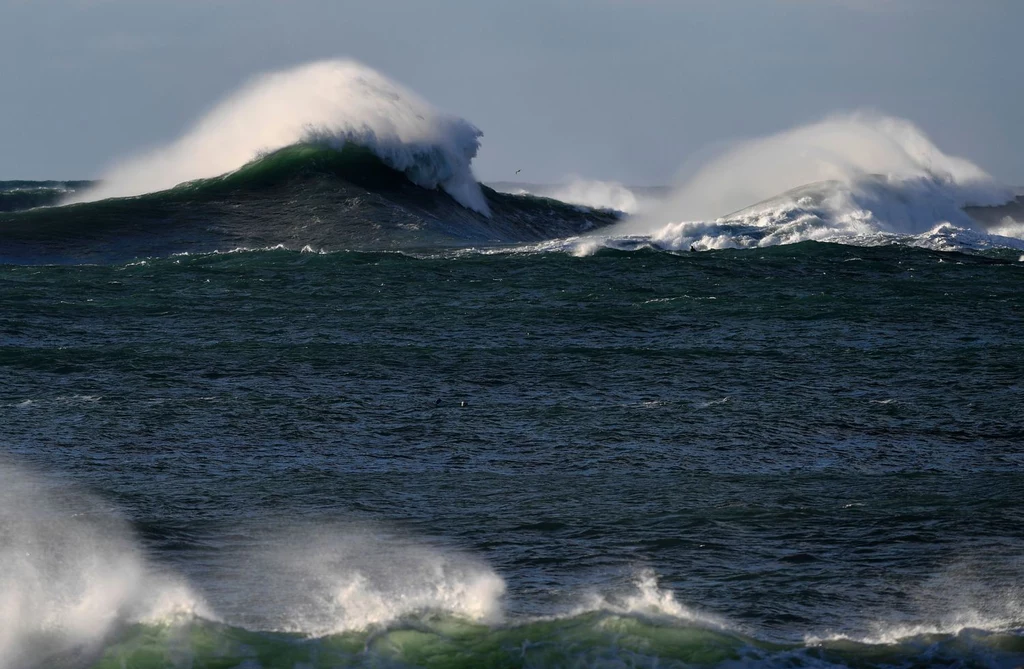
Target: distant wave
point(330, 103)
point(21, 195)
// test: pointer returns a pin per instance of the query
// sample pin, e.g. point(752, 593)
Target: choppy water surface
point(809, 454)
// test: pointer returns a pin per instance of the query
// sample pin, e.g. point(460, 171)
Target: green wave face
point(353, 163)
point(597, 639)
point(304, 195)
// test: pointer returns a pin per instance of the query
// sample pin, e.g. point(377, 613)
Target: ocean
point(344, 406)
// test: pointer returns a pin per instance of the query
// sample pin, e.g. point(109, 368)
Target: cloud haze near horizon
point(633, 92)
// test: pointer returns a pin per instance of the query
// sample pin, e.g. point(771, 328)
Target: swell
point(20, 195)
point(303, 195)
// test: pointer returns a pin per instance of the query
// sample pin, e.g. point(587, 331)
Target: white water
point(330, 102)
point(858, 178)
point(70, 571)
point(646, 597)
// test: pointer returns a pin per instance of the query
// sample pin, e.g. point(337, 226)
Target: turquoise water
point(808, 455)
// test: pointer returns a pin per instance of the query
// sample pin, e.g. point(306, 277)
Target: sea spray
point(858, 178)
point(320, 580)
point(644, 596)
point(596, 194)
point(71, 573)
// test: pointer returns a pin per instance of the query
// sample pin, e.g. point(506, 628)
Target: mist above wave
point(331, 103)
point(843, 148)
point(855, 178)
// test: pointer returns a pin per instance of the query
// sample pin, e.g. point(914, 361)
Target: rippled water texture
point(808, 454)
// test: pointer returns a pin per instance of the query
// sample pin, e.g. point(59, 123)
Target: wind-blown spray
point(853, 178)
point(70, 572)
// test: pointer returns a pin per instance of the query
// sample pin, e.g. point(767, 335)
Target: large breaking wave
point(332, 103)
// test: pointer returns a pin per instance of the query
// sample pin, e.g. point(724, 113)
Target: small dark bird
point(693, 249)
point(518, 171)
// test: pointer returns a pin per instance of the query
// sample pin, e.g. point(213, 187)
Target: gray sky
point(627, 90)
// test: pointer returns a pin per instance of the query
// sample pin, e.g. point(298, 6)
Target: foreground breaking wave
point(597, 639)
point(77, 590)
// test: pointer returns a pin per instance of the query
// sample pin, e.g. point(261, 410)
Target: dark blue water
point(804, 455)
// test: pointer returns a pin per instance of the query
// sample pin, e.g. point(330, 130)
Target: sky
point(635, 91)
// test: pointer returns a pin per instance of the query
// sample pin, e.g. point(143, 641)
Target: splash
point(324, 580)
point(331, 103)
point(646, 597)
point(71, 573)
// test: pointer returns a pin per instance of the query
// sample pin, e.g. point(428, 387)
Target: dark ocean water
point(808, 455)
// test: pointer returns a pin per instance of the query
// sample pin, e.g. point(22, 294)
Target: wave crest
point(333, 103)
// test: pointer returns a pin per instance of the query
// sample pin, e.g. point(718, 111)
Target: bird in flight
point(518, 171)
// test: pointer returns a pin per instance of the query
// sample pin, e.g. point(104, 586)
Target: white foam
point(71, 571)
point(329, 102)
